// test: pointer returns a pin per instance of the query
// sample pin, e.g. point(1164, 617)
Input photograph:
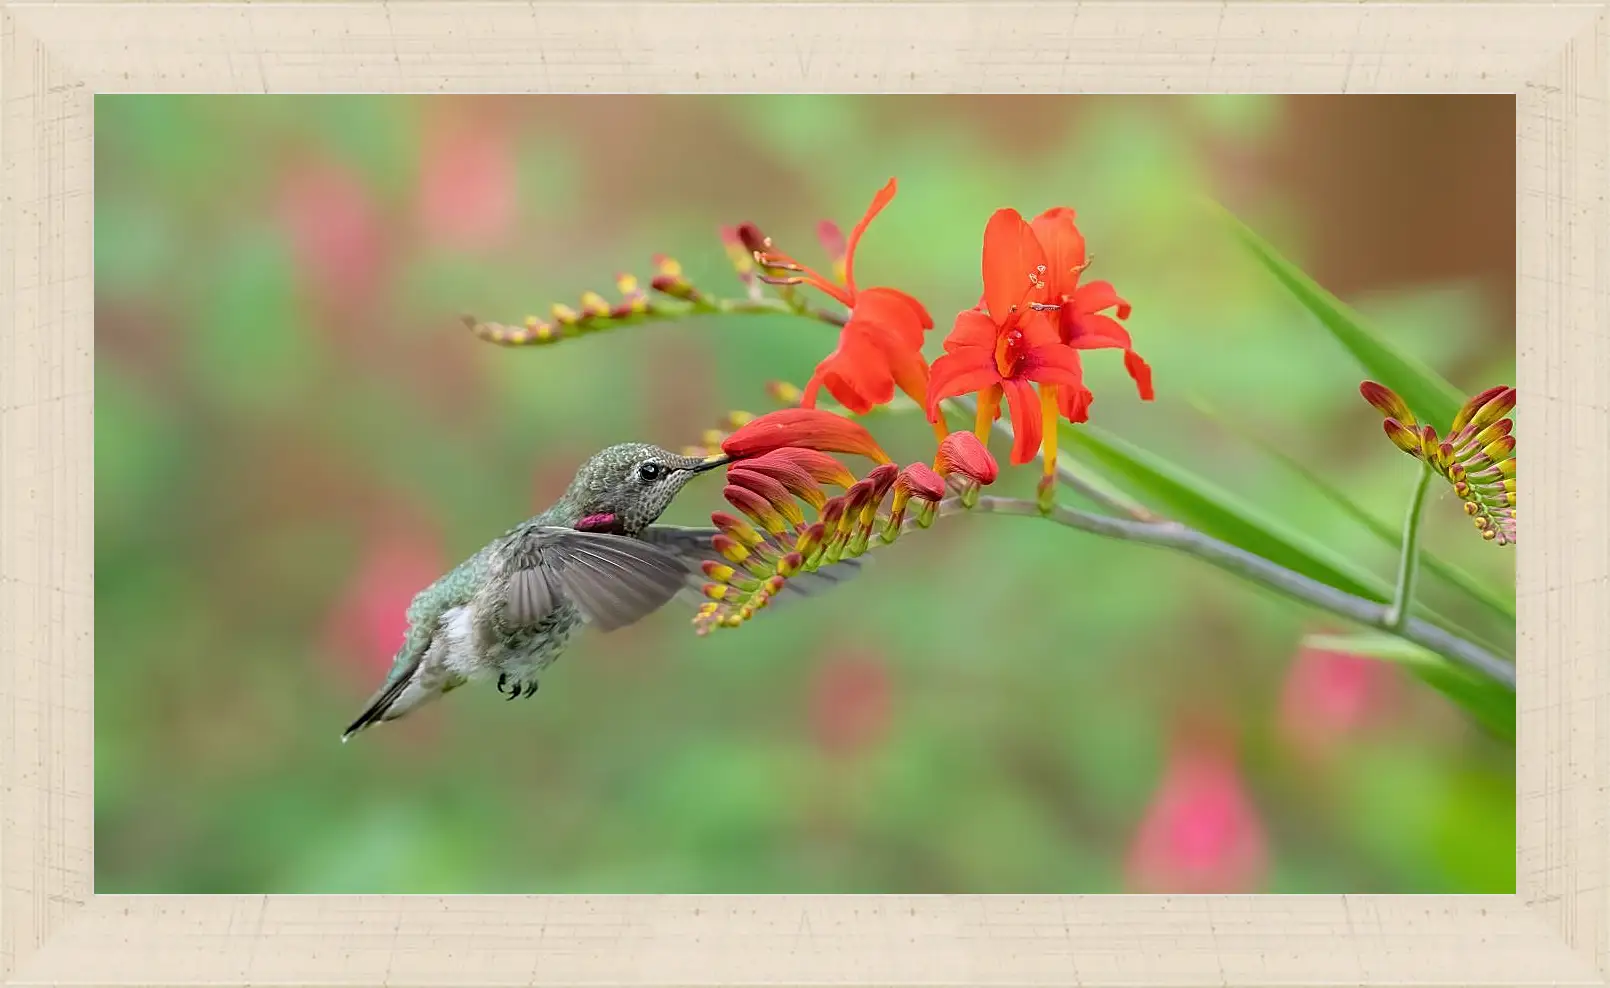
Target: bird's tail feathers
point(377, 707)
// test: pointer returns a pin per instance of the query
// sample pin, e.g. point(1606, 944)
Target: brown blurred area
point(1372, 171)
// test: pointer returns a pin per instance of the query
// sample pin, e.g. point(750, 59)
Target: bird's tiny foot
point(503, 680)
point(531, 690)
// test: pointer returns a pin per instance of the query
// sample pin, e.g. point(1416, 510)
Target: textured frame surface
point(55, 57)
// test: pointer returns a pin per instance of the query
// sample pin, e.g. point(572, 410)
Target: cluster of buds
point(596, 312)
point(1477, 456)
point(782, 465)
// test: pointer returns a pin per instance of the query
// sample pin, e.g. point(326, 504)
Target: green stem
point(1248, 566)
point(660, 309)
point(1409, 559)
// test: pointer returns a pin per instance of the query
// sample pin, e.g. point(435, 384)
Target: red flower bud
point(1387, 402)
point(756, 507)
point(1485, 409)
point(753, 240)
point(780, 467)
point(882, 478)
point(807, 428)
point(741, 256)
point(737, 529)
point(774, 492)
point(822, 468)
point(962, 453)
point(833, 244)
point(920, 482)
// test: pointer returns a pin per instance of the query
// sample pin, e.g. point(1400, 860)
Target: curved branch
point(1173, 535)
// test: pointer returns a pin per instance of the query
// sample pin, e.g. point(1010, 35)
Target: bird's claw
point(515, 688)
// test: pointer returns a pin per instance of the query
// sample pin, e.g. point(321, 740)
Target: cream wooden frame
point(55, 56)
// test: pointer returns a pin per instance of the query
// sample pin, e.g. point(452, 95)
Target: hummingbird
point(596, 557)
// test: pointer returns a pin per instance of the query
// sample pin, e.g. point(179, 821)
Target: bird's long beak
point(711, 462)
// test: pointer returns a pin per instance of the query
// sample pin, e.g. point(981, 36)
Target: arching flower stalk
point(772, 482)
point(1477, 456)
point(675, 296)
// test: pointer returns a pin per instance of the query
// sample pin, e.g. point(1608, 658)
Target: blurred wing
point(530, 596)
point(692, 547)
point(613, 580)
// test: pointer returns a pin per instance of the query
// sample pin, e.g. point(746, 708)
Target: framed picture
point(715, 493)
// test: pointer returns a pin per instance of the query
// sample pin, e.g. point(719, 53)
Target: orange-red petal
point(856, 374)
point(1141, 372)
point(972, 329)
point(882, 199)
point(1064, 249)
point(1093, 332)
point(910, 373)
point(1013, 261)
point(1097, 296)
point(1024, 405)
point(894, 310)
point(1074, 403)
point(1052, 363)
point(959, 374)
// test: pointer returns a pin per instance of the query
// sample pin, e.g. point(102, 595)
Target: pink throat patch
point(596, 523)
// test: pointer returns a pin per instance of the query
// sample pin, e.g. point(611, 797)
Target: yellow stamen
point(1048, 427)
point(989, 405)
point(941, 430)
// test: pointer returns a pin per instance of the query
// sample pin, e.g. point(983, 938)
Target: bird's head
point(625, 488)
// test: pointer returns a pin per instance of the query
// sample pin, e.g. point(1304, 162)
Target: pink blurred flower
point(850, 703)
point(369, 619)
point(467, 178)
point(1201, 833)
point(336, 234)
point(1331, 695)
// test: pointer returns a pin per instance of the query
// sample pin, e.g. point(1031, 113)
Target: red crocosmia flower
point(1201, 833)
point(1080, 317)
point(880, 346)
point(1010, 348)
point(806, 428)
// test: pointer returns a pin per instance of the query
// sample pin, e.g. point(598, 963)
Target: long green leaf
point(1487, 701)
point(1198, 502)
point(1390, 534)
point(1428, 394)
point(1191, 498)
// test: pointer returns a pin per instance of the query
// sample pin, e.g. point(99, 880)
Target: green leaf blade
point(1191, 499)
point(1432, 398)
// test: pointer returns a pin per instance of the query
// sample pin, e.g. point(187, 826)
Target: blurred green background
point(294, 434)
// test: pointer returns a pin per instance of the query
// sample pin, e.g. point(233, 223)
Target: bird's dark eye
point(651, 472)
